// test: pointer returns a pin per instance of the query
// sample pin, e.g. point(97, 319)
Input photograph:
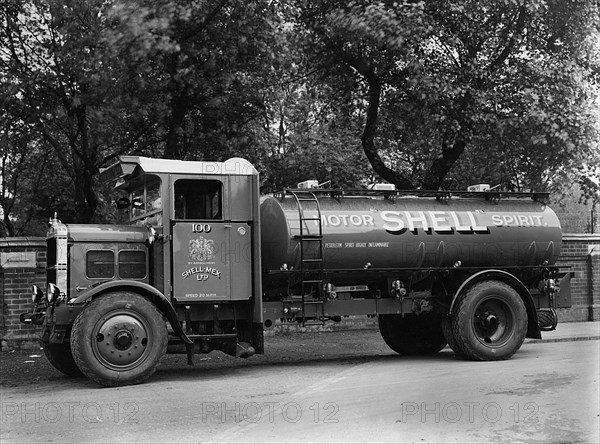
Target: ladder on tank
point(311, 268)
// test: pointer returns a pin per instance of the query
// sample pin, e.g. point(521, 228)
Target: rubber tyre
point(61, 358)
point(489, 322)
point(453, 343)
point(547, 320)
point(412, 335)
point(106, 341)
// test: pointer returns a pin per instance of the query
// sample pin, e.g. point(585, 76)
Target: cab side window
point(146, 201)
point(198, 199)
point(100, 264)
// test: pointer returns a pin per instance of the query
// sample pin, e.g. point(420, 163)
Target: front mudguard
point(57, 322)
point(143, 289)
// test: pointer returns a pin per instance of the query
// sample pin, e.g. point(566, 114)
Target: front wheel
point(489, 323)
point(61, 358)
point(412, 335)
point(118, 339)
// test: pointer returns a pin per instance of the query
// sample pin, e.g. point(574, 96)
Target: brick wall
point(582, 253)
point(23, 261)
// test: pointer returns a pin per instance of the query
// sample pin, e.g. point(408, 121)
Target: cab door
point(200, 270)
point(208, 250)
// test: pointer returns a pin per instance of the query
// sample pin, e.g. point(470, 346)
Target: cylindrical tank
point(409, 232)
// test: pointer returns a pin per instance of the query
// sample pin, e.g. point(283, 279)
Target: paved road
point(549, 392)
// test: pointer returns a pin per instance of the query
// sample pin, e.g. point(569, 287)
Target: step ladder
point(311, 254)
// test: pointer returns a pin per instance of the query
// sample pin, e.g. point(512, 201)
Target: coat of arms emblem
point(202, 250)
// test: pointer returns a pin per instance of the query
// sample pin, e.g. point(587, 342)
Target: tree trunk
point(86, 200)
point(179, 109)
point(368, 140)
point(441, 166)
point(7, 228)
point(370, 130)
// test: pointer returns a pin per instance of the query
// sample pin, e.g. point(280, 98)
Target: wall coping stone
point(581, 237)
point(9, 242)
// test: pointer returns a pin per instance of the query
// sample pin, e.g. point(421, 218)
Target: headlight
point(36, 294)
point(53, 292)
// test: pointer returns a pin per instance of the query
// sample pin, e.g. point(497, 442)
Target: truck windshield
point(146, 201)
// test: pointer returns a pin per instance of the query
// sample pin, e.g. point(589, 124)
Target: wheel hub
point(121, 341)
point(493, 322)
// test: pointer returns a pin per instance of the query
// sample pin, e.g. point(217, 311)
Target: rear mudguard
point(533, 328)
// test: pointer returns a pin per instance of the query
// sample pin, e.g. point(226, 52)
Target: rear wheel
point(412, 335)
point(118, 339)
point(489, 322)
point(61, 358)
point(453, 343)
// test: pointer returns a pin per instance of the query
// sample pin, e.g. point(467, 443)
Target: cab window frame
point(144, 262)
point(105, 262)
point(198, 199)
point(147, 196)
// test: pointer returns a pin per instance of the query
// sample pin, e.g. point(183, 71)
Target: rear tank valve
point(398, 289)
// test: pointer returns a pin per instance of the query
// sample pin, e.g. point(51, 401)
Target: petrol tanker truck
point(205, 263)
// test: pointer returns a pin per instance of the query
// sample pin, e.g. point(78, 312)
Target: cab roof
point(127, 165)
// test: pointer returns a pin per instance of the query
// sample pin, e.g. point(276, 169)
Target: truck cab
point(204, 216)
point(189, 254)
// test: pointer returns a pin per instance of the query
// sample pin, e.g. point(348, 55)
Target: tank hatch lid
point(439, 194)
point(126, 165)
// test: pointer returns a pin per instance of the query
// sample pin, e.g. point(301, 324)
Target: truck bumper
point(56, 321)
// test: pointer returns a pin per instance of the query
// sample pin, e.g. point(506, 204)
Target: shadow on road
point(232, 367)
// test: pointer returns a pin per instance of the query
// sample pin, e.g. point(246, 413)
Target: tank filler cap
point(478, 188)
point(384, 187)
point(309, 184)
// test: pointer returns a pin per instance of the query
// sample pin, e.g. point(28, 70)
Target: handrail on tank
point(440, 194)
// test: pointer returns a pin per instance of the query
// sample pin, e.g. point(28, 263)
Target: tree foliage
point(507, 85)
point(424, 94)
point(197, 67)
point(60, 84)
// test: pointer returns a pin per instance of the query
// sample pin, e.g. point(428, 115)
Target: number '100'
point(201, 228)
